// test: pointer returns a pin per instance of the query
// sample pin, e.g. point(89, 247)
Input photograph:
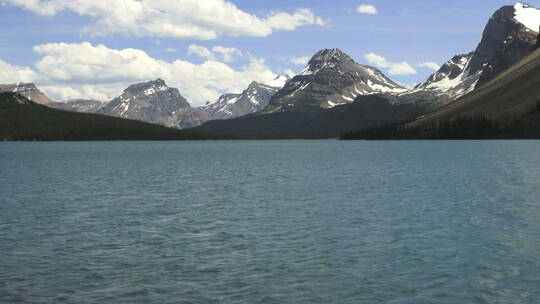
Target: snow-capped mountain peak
point(510, 35)
point(332, 78)
point(528, 16)
point(449, 75)
point(155, 102)
point(253, 99)
point(326, 59)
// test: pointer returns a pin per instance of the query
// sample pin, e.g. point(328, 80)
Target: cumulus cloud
point(9, 72)
point(186, 19)
point(430, 65)
point(300, 60)
point(394, 68)
point(200, 51)
point(227, 54)
point(84, 70)
point(367, 9)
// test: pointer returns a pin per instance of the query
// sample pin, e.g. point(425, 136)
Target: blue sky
point(411, 32)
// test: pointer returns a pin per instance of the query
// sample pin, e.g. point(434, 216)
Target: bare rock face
point(28, 90)
point(506, 40)
point(153, 102)
point(331, 78)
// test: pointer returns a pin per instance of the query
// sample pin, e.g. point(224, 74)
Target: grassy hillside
point(24, 120)
point(313, 122)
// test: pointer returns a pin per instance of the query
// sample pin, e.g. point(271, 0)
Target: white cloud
point(9, 73)
point(200, 51)
point(394, 68)
point(300, 60)
point(430, 65)
point(402, 68)
point(186, 19)
point(83, 70)
point(377, 60)
point(171, 50)
point(227, 54)
point(367, 9)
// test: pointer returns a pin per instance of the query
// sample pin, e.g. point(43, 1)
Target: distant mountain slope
point(331, 78)
point(252, 100)
point(153, 102)
point(511, 94)
point(505, 107)
point(29, 90)
point(510, 35)
point(78, 105)
point(313, 122)
point(24, 120)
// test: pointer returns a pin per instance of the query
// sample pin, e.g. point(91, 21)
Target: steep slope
point(254, 99)
point(509, 36)
point(29, 90)
point(331, 78)
point(22, 119)
point(79, 105)
point(510, 95)
point(153, 102)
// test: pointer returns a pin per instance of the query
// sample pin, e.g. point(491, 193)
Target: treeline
point(461, 127)
point(23, 120)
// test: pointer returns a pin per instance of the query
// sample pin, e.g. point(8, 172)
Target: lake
point(270, 222)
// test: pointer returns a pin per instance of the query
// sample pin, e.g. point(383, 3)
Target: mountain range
point(510, 35)
point(335, 94)
point(24, 120)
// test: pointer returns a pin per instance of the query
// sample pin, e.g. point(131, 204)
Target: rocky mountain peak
point(252, 100)
point(147, 88)
point(507, 38)
point(28, 90)
point(153, 101)
point(254, 85)
point(449, 71)
point(330, 55)
point(507, 28)
point(328, 59)
point(331, 78)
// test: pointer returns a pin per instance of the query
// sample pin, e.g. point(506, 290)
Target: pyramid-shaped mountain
point(331, 78)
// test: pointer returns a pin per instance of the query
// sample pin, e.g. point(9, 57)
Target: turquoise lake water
point(270, 222)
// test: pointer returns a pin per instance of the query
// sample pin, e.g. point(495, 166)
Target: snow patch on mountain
point(528, 16)
point(253, 99)
point(332, 78)
point(279, 81)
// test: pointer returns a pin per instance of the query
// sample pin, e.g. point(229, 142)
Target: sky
point(94, 49)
